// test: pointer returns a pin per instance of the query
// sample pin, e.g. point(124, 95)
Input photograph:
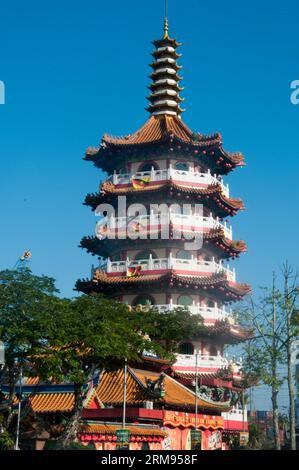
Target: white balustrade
point(217, 362)
point(183, 221)
point(208, 313)
point(215, 313)
point(190, 176)
point(203, 361)
point(190, 265)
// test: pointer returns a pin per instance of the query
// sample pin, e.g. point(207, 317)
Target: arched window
point(148, 167)
point(181, 166)
point(213, 351)
point(117, 257)
point(182, 254)
point(211, 304)
point(145, 300)
point(186, 348)
point(122, 170)
point(185, 300)
point(144, 255)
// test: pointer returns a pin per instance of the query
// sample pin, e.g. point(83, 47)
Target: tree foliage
point(273, 317)
point(72, 340)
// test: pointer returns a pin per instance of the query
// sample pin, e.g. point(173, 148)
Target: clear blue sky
point(74, 70)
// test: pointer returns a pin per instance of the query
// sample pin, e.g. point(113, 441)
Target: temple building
point(170, 247)
point(160, 411)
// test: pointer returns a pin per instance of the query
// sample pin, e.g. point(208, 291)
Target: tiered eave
point(161, 134)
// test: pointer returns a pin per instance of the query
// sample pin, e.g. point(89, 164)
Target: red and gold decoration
point(133, 272)
point(140, 183)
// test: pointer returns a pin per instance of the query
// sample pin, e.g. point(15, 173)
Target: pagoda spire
point(164, 98)
point(166, 21)
point(165, 28)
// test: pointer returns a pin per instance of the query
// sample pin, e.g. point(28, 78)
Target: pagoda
point(171, 245)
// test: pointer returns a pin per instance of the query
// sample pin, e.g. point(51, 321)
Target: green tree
point(6, 441)
point(265, 352)
point(289, 310)
point(27, 306)
point(274, 318)
point(72, 340)
point(94, 333)
point(172, 326)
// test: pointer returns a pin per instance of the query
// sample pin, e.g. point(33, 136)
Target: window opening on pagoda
point(121, 171)
point(182, 254)
point(145, 255)
point(148, 167)
point(185, 300)
point(116, 258)
point(213, 351)
point(181, 166)
point(186, 348)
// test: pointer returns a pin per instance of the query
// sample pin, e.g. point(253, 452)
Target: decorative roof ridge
point(100, 278)
point(109, 188)
point(226, 325)
point(238, 245)
point(166, 129)
point(130, 371)
point(220, 277)
point(213, 233)
point(139, 381)
point(159, 128)
point(199, 395)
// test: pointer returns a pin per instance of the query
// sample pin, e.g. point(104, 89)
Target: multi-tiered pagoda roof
point(161, 132)
point(165, 162)
point(216, 284)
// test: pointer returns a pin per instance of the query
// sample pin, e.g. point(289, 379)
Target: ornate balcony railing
point(192, 177)
point(202, 361)
point(206, 361)
point(183, 265)
point(207, 313)
point(183, 222)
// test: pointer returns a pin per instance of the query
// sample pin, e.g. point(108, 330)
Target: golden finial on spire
point(166, 21)
point(166, 29)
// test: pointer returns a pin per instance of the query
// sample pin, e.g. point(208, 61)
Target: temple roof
point(218, 238)
point(216, 282)
point(104, 247)
point(213, 193)
point(156, 129)
point(52, 402)
point(172, 132)
point(141, 387)
point(221, 378)
point(110, 391)
point(232, 333)
point(110, 429)
point(161, 128)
